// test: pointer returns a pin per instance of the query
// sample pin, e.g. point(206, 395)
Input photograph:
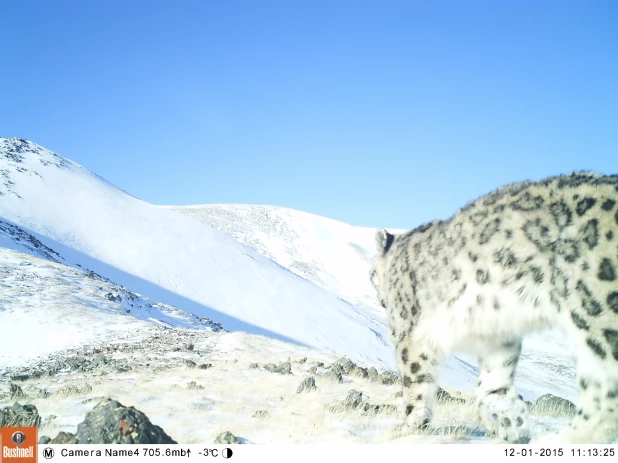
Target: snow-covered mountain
point(332, 254)
point(174, 259)
point(265, 270)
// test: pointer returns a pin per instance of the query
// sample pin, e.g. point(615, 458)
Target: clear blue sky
point(378, 113)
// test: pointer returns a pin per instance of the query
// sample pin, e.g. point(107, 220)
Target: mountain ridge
point(173, 259)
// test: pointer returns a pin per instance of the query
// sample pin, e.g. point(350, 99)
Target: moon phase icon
point(227, 453)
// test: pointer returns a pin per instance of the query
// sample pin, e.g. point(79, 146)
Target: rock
point(99, 361)
point(110, 422)
point(387, 378)
point(551, 404)
point(307, 385)
point(44, 440)
point(346, 364)
point(319, 364)
point(313, 370)
point(334, 375)
point(444, 396)
point(112, 298)
point(261, 414)
point(226, 438)
point(254, 365)
point(270, 367)
point(79, 364)
point(302, 360)
point(372, 372)
point(64, 438)
point(20, 415)
point(190, 364)
point(205, 366)
point(353, 400)
point(189, 346)
point(359, 371)
point(284, 369)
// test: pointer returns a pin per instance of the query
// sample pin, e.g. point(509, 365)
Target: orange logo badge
point(19, 445)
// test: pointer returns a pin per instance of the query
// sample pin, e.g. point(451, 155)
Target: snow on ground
point(181, 377)
point(47, 308)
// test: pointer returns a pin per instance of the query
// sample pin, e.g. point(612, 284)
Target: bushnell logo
point(18, 438)
point(19, 445)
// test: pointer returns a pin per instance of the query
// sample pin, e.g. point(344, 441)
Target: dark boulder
point(110, 422)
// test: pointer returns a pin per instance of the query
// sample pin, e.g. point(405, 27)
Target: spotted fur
point(525, 257)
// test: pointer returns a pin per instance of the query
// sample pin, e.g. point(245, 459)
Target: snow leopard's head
point(384, 240)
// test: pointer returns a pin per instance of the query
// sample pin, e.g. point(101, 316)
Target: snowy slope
point(57, 307)
point(174, 259)
point(331, 254)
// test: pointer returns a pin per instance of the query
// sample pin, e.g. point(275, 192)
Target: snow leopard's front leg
point(418, 364)
point(500, 408)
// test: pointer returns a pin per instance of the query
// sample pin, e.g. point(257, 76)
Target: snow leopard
point(525, 257)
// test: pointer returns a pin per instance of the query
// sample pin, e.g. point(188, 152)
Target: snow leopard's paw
point(506, 417)
point(418, 420)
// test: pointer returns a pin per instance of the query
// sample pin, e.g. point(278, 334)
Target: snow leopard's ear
point(384, 240)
